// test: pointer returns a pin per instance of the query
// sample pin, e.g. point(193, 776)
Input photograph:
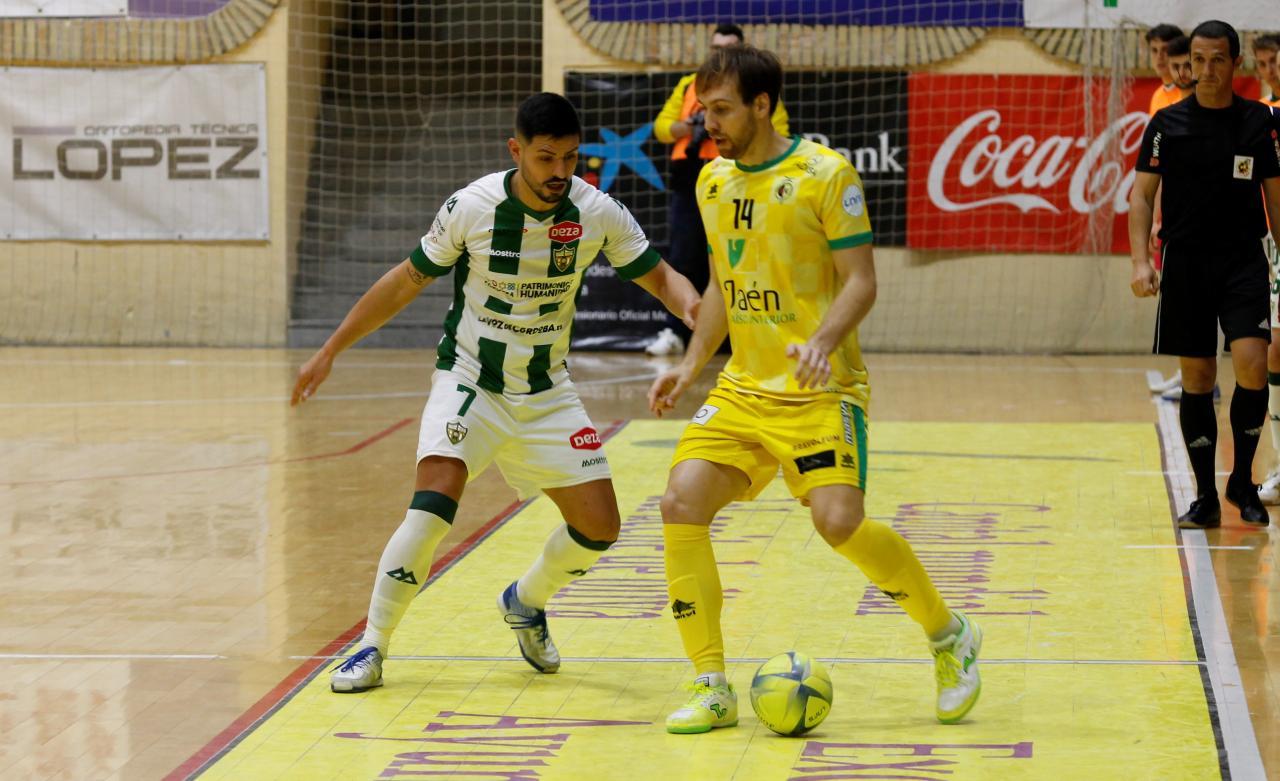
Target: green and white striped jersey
point(517, 274)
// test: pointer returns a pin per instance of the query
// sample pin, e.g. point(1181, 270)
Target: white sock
point(1273, 411)
point(564, 558)
point(405, 565)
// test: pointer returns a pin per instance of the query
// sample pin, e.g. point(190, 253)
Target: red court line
point(293, 683)
point(357, 447)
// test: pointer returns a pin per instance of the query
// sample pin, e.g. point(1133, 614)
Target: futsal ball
point(791, 693)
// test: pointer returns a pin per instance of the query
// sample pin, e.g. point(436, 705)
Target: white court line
point(139, 657)
point(1191, 547)
point(1243, 758)
point(422, 394)
point(754, 660)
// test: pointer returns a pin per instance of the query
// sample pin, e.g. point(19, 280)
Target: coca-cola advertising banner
point(1020, 163)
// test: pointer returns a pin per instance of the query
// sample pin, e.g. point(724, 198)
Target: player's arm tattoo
point(416, 276)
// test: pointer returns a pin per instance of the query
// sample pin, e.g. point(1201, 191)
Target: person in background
point(1168, 93)
point(1266, 49)
point(1179, 56)
point(681, 125)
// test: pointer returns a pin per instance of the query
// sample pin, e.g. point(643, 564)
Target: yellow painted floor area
point(1047, 534)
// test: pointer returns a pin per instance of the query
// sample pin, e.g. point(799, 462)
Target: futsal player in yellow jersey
point(791, 277)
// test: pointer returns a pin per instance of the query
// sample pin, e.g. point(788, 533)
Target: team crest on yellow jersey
point(783, 191)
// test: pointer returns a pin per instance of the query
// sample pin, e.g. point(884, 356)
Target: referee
point(1211, 155)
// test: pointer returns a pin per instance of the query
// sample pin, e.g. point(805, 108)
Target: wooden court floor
point(174, 538)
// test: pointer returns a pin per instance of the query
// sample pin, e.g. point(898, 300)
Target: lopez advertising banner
point(1008, 162)
point(134, 154)
point(860, 114)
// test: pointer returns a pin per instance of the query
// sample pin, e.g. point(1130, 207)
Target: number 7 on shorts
point(470, 393)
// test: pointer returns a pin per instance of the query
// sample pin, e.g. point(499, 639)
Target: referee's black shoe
point(1244, 495)
point(1204, 513)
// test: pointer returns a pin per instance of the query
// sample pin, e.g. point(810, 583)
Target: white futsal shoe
point(1269, 491)
point(530, 626)
point(360, 672)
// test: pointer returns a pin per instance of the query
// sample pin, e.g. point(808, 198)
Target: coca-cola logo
point(565, 232)
point(976, 157)
point(586, 439)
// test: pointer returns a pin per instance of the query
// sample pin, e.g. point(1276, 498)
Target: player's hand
point(1144, 282)
point(666, 390)
point(813, 368)
point(690, 316)
point(312, 373)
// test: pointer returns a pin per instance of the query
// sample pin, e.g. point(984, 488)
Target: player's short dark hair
point(730, 29)
point(757, 71)
point(1217, 30)
point(547, 114)
point(1179, 47)
point(1267, 42)
point(1163, 32)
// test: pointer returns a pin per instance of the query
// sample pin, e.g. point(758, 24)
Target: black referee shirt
point(1211, 163)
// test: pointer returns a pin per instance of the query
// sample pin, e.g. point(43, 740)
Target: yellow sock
point(694, 585)
point(888, 561)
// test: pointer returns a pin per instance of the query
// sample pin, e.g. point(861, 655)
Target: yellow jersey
point(771, 230)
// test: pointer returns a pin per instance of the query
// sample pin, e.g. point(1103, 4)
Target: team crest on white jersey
point(564, 255)
point(456, 431)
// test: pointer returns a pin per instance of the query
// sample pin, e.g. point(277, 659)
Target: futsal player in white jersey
point(517, 243)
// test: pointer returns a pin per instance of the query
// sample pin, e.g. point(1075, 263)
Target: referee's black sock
point(1248, 415)
point(1200, 433)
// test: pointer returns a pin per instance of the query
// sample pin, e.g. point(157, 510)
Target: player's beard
point(737, 145)
point(544, 193)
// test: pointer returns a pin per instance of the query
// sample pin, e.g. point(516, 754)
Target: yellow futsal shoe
point(712, 703)
point(955, 665)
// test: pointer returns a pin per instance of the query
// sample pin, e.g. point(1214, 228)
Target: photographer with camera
point(681, 124)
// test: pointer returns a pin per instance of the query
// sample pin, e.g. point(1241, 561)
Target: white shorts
point(539, 440)
point(1273, 259)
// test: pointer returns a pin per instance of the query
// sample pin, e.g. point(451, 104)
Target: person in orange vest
point(680, 124)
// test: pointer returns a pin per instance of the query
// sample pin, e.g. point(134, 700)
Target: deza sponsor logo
point(565, 232)
point(175, 151)
point(586, 439)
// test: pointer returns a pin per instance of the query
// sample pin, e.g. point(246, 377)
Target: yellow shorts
point(817, 442)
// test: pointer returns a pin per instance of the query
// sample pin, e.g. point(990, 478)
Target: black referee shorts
point(1204, 286)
